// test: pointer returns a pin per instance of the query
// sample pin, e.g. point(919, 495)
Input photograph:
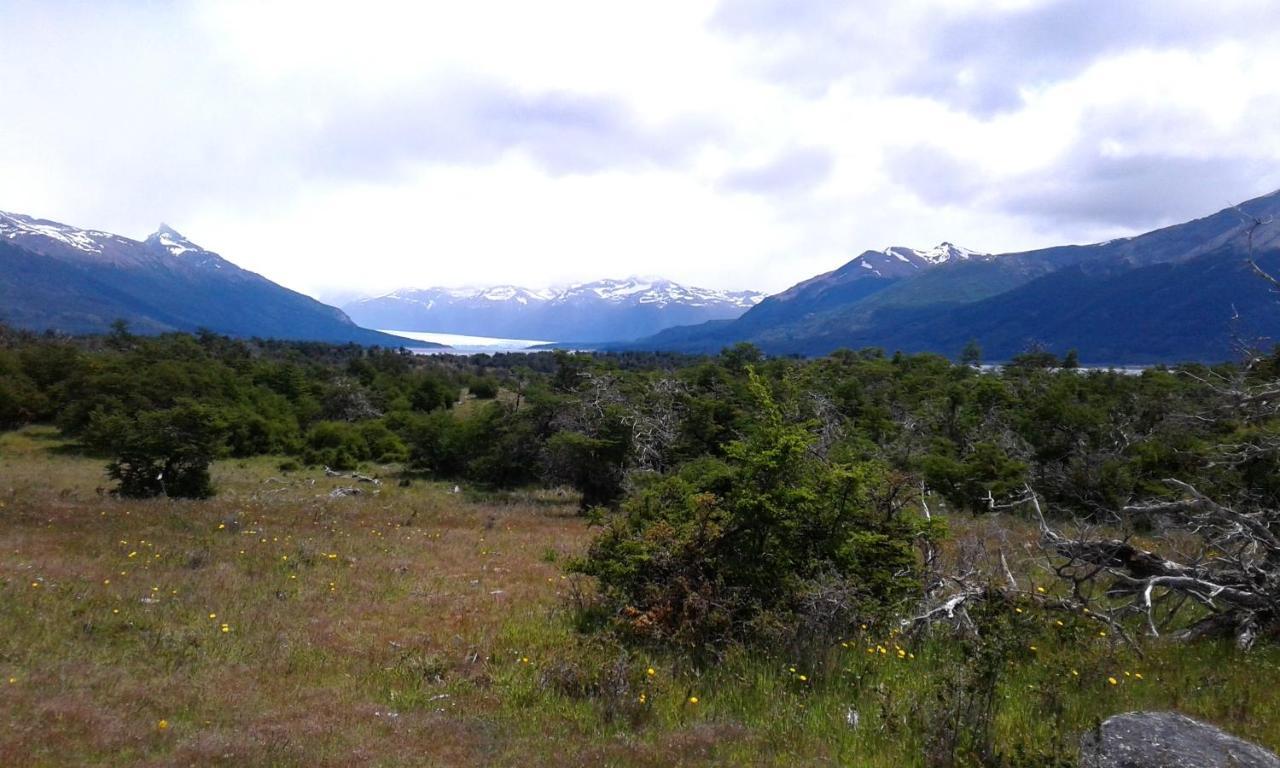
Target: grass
point(276, 626)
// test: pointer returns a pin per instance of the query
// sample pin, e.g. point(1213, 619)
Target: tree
point(120, 338)
point(971, 354)
point(432, 393)
point(167, 453)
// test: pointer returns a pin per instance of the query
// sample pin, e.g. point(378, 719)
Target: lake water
point(468, 345)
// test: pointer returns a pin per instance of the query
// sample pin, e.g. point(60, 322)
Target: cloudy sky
point(742, 143)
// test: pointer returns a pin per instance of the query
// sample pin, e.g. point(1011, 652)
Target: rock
point(1168, 740)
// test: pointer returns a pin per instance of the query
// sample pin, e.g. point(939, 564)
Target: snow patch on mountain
point(173, 242)
point(631, 290)
point(14, 226)
point(899, 261)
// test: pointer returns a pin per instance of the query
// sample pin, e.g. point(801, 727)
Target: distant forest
point(1089, 440)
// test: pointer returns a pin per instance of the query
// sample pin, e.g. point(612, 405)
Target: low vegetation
point(256, 553)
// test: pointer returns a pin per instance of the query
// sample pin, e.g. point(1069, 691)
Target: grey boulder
point(1168, 740)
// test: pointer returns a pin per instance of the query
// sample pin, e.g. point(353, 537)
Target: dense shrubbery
point(731, 547)
point(1088, 440)
point(747, 486)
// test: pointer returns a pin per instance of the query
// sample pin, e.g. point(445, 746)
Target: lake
point(461, 344)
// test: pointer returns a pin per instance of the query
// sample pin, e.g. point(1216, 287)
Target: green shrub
point(335, 444)
point(985, 471)
point(484, 389)
point(166, 452)
point(433, 393)
point(723, 550)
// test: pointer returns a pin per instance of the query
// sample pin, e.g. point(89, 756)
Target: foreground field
point(276, 625)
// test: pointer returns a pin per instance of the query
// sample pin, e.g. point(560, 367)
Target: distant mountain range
point(55, 276)
point(1184, 292)
point(605, 310)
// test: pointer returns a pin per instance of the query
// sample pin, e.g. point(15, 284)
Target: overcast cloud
point(739, 144)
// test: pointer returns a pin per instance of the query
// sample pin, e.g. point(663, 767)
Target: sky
point(353, 148)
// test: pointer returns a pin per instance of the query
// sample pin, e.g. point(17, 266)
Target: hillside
point(58, 277)
point(1183, 292)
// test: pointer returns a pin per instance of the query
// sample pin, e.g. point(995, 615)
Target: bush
point(437, 443)
point(335, 444)
point(725, 550)
point(166, 452)
point(966, 483)
point(433, 393)
point(593, 465)
point(483, 389)
point(20, 401)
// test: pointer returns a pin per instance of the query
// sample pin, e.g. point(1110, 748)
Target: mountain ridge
point(55, 276)
point(600, 310)
point(938, 309)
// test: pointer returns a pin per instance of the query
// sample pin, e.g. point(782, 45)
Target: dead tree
point(1230, 585)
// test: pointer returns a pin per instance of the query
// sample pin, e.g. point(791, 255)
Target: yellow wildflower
point(693, 699)
point(163, 725)
point(650, 672)
point(1113, 681)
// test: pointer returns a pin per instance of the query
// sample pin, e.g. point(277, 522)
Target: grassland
point(277, 626)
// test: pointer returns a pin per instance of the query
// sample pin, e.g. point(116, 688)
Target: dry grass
point(414, 627)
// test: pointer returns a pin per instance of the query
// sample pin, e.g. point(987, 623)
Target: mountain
point(866, 274)
point(1184, 292)
point(55, 276)
point(604, 310)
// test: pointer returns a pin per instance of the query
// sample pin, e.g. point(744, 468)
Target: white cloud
point(742, 144)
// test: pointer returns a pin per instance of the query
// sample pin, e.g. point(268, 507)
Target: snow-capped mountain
point(865, 274)
point(899, 261)
point(1184, 292)
point(60, 277)
point(56, 240)
point(604, 310)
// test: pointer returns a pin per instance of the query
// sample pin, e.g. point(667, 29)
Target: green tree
point(723, 550)
point(167, 453)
